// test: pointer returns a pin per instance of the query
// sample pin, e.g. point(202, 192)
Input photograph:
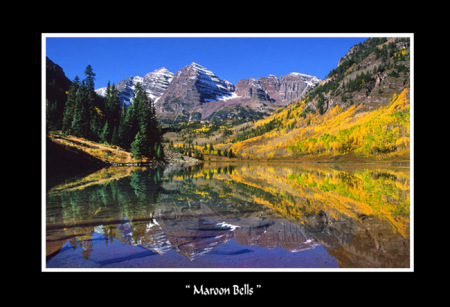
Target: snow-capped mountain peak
point(154, 83)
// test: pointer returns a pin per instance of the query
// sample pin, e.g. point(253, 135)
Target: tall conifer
point(147, 142)
point(81, 115)
point(69, 108)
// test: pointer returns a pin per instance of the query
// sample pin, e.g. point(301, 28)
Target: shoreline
point(69, 151)
point(270, 161)
point(295, 161)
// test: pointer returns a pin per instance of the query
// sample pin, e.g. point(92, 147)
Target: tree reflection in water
point(359, 214)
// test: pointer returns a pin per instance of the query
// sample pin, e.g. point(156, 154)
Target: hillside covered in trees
point(338, 135)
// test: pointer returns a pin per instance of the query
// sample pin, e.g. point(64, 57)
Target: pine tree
point(50, 115)
point(148, 141)
point(112, 105)
point(115, 136)
point(121, 126)
point(81, 114)
point(69, 108)
point(105, 136)
point(85, 116)
point(138, 146)
point(127, 130)
point(93, 103)
point(90, 78)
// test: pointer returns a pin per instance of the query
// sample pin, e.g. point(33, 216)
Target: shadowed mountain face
point(360, 216)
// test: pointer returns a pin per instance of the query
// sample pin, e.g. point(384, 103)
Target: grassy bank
point(103, 152)
point(110, 154)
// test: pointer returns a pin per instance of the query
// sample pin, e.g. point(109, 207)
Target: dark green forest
point(75, 108)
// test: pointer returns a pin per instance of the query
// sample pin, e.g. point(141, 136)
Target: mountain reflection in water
point(347, 216)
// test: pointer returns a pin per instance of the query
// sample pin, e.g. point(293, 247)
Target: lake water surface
point(241, 215)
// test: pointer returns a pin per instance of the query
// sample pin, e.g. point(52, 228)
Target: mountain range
point(195, 93)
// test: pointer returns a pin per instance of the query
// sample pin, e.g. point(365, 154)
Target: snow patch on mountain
point(232, 96)
point(311, 81)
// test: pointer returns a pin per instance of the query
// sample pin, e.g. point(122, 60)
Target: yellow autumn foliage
point(381, 134)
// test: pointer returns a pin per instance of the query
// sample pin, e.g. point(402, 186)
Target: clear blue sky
point(230, 58)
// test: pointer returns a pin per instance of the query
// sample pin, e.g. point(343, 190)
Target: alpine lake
point(242, 215)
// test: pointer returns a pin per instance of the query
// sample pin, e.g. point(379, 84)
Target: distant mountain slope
point(259, 98)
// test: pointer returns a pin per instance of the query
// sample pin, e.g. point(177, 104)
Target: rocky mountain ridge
point(258, 98)
point(281, 90)
point(195, 93)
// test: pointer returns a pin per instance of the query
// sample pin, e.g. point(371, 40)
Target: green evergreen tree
point(112, 105)
point(85, 115)
point(94, 105)
point(129, 126)
point(115, 136)
point(105, 136)
point(90, 78)
point(125, 134)
point(138, 146)
point(121, 128)
point(69, 108)
point(81, 115)
point(148, 141)
point(50, 115)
